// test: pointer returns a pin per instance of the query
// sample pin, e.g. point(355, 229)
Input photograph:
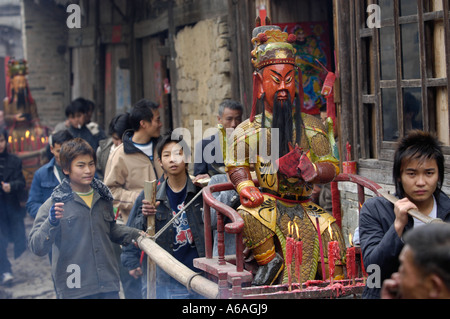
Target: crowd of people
point(82, 197)
point(89, 207)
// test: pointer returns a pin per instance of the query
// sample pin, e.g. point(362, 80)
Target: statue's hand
point(20, 117)
point(251, 197)
point(38, 131)
point(307, 169)
point(288, 164)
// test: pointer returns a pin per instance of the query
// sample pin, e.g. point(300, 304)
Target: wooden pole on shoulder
point(178, 270)
point(150, 195)
point(414, 213)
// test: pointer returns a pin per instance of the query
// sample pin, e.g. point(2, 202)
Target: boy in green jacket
point(77, 224)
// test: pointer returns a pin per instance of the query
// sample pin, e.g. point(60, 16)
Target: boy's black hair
point(170, 137)
point(79, 105)
point(73, 148)
point(60, 137)
point(422, 146)
point(142, 110)
point(90, 104)
point(119, 124)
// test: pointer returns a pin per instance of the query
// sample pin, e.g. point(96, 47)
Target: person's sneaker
point(7, 278)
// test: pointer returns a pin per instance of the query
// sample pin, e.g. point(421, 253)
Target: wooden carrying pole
point(414, 213)
point(177, 270)
point(150, 195)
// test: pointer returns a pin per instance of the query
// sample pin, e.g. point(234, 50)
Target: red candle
point(349, 151)
point(290, 247)
point(33, 143)
point(333, 255)
point(21, 144)
point(351, 266)
point(351, 260)
point(10, 143)
point(298, 260)
point(322, 259)
point(27, 137)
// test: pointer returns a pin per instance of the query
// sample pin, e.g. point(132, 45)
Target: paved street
point(32, 275)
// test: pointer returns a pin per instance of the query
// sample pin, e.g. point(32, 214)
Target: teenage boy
point(76, 123)
point(132, 163)
point(185, 239)
point(77, 224)
point(418, 174)
point(48, 176)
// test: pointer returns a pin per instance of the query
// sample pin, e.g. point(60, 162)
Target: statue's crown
point(17, 67)
point(271, 45)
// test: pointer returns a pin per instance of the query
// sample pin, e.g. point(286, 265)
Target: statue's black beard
point(283, 120)
point(21, 99)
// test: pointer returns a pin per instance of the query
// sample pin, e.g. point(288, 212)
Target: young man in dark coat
point(77, 224)
point(418, 174)
point(12, 186)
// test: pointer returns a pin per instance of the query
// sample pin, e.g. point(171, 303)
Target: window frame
point(368, 127)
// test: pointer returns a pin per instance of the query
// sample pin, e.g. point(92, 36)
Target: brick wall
point(45, 41)
point(203, 64)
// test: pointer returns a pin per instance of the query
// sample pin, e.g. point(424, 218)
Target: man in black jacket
point(418, 174)
point(12, 227)
point(206, 160)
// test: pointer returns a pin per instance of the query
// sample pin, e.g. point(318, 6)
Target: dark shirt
point(86, 134)
point(206, 160)
point(183, 243)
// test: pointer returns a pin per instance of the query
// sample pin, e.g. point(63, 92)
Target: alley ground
point(32, 275)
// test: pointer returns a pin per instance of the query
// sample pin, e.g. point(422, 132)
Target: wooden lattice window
point(402, 70)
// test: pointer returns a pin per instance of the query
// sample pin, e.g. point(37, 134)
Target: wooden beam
point(234, 52)
point(188, 13)
point(445, 136)
point(423, 67)
point(341, 9)
point(176, 112)
point(87, 36)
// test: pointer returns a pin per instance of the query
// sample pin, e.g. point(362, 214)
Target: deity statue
point(286, 180)
point(20, 111)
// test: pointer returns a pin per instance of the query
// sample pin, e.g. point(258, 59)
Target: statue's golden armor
point(285, 199)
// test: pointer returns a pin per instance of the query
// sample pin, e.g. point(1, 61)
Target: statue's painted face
point(19, 83)
point(278, 78)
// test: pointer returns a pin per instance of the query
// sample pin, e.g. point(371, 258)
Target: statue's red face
point(19, 83)
point(278, 79)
